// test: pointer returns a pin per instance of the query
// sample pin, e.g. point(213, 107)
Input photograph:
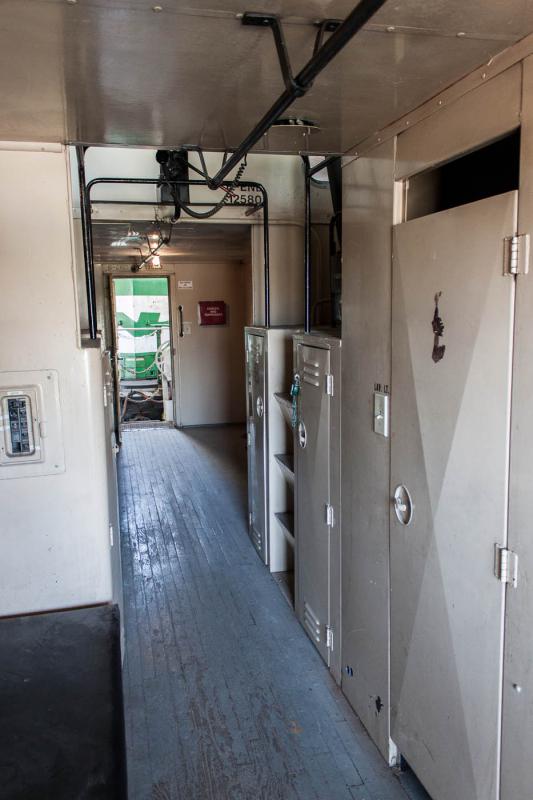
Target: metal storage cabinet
point(317, 360)
point(268, 376)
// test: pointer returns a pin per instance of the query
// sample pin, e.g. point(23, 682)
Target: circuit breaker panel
point(31, 441)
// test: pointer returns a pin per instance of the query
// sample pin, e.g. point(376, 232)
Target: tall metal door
point(256, 383)
point(451, 369)
point(313, 494)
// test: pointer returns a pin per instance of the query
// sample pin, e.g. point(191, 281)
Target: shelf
point(286, 521)
point(285, 403)
point(285, 462)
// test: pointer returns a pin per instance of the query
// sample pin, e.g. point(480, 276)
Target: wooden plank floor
point(226, 698)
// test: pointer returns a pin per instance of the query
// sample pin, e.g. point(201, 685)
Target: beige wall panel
point(367, 224)
point(517, 730)
point(55, 528)
point(483, 114)
point(286, 274)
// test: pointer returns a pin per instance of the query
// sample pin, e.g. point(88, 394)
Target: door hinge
point(111, 536)
point(516, 254)
point(329, 385)
point(330, 516)
point(506, 565)
point(329, 637)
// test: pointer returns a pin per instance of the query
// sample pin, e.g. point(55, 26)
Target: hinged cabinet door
point(451, 368)
point(255, 379)
point(314, 514)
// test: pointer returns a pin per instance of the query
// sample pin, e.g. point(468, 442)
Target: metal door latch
point(330, 516)
point(329, 637)
point(330, 385)
point(506, 565)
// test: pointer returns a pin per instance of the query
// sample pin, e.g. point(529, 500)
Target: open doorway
point(177, 328)
point(143, 349)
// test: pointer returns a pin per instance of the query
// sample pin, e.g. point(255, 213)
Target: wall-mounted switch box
point(381, 413)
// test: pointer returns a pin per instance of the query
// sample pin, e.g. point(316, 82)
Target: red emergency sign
point(212, 312)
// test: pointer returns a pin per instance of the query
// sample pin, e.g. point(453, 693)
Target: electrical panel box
point(31, 441)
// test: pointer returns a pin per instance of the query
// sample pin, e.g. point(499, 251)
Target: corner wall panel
point(367, 232)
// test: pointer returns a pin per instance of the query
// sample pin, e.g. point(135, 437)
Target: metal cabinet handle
point(403, 505)
point(180, 316)
point(302, 435)
point(259, 406)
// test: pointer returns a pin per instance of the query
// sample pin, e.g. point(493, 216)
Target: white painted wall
point(54, 529)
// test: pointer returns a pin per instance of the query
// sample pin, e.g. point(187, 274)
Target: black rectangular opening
point(485, 172)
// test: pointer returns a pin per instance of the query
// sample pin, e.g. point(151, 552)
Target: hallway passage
point(226, 698)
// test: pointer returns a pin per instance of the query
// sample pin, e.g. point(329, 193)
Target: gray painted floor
point(226, 698)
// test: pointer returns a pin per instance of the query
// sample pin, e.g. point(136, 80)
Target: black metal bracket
point(325, 26)
point(273, 22)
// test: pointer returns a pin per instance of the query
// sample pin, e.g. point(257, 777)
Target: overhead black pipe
point(353, 23)
point(87, 234)
point(85, 195)
point(324, 164)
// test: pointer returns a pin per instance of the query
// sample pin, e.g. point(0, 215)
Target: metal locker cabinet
point(268, 374)
point(256, 424)
point(317, 361)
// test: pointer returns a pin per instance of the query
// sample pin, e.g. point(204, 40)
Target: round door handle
point(259, 406)
point(302, 435)
point(403, 505)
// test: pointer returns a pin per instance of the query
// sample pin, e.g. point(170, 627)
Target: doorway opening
point(143, 350)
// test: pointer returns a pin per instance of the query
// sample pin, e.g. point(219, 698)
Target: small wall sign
point(212, 312)
point(185, 285)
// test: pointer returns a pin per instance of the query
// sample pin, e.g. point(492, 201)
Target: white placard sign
point(185, 285)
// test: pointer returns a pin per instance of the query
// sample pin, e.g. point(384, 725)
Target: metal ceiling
point(191, 242)
point(118, 72)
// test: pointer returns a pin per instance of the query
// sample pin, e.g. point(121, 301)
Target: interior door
point(313, 494)
point(256, 365)
point(451, 364)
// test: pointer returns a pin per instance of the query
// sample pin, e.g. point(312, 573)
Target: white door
point(451, 365)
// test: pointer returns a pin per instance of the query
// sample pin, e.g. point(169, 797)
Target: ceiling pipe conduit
point(298, 86)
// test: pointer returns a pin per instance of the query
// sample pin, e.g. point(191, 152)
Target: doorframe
point(122, 275)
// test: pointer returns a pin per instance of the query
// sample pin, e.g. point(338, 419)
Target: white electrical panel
point(31, 440)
